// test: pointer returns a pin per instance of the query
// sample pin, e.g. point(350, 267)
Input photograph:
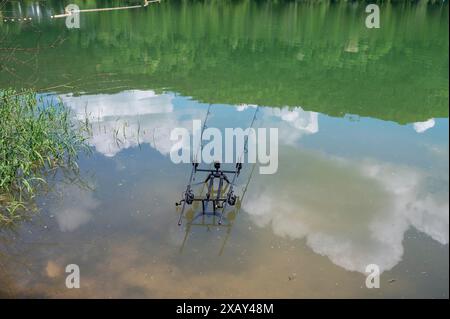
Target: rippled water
point(363, 156)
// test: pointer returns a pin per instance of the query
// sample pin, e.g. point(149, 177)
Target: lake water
point(363, 175)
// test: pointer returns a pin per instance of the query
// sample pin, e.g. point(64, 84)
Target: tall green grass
point(36, 137)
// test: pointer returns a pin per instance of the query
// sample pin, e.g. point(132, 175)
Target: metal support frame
point(219, 201)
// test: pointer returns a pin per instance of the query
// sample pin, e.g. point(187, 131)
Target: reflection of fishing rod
point(188, 194)
point(231, 197)
point(241, 200)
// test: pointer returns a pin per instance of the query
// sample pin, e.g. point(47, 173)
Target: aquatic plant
point(37, 136)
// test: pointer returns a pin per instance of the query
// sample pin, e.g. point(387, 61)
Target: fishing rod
point(239, 206)
point(231, 197)
point(188, 194)
point(215, 173)
point(191, 223)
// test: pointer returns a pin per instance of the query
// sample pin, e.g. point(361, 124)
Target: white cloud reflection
point(421, 127)
point(354, 213)
point(292, 122)
point(295, 123)
point(127, 103)
point(127, 119)
point(75, 207)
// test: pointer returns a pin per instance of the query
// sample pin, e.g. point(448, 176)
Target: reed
point(36, 136)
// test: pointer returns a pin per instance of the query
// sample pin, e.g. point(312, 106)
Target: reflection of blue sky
point(350, 188)
point(387, 141)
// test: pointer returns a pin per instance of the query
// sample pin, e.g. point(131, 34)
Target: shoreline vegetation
point(37, 137)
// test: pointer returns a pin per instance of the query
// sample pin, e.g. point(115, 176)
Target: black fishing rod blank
point(231, 197)
point(188, 194)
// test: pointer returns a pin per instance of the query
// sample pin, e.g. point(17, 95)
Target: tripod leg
point(210, 187)
point(219, 190)
point(182, 213)
point(221, 214)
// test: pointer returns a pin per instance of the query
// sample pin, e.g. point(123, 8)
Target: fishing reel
point(231, 199)
point(238, 168)
point(189, 197)
point(214, 195)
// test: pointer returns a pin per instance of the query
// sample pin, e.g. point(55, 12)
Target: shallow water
point(363, 155)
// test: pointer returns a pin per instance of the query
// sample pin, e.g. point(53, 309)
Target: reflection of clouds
point(111, 136)
point(127, 103)
point(75, 208)
point(298, 118)
point(127, 119)
point(295, 123)
point(243, 107)
point(353, 213)
point(421, 127)
point(304, 122)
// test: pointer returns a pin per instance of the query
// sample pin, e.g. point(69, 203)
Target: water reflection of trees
point(319, 56)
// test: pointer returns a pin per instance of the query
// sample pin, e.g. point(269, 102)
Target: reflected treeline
point(318, 55)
